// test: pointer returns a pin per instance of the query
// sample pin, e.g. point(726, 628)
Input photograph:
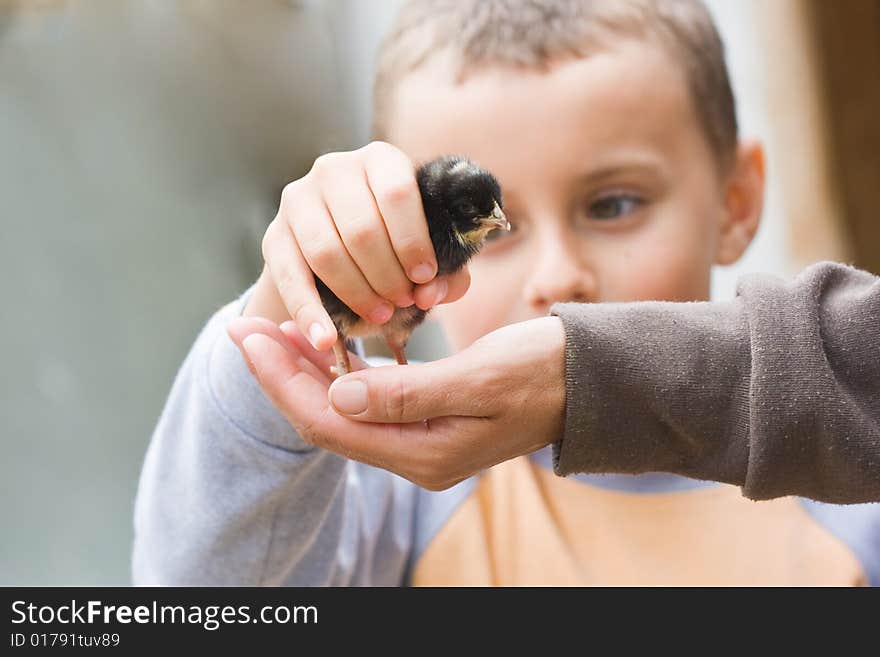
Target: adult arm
point(777, 392)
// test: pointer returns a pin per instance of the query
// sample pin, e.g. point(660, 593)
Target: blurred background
point(143, 148)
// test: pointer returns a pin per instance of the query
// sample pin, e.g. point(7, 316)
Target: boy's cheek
point(669, 259)
point(670, 263)
point(671, 269)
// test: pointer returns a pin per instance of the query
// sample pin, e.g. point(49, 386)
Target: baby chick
point(462, 203)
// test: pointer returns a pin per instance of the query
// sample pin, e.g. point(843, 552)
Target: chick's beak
point(497, 219)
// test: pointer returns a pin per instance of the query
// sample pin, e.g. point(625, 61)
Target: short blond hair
point(534, 33)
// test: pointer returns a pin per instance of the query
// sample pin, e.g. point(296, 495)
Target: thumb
point(405, 393)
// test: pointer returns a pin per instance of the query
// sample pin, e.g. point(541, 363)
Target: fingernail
point(288, 326)
point(406, 301)
point(442, 289)
point(382, 314)
point(316, 332)
point(421, 273)
point(349, 397)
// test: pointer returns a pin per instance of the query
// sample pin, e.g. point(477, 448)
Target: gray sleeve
point(229, 494)
point(777, 391)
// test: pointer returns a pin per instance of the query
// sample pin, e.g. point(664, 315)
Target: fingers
point(298, 395)
point(443, 289)
point(430, 294)
point(323, 360)
point(458, 283)
point(295, 283)
point(364, 235)
point(302, 399)
point(356, 223)
point(434, 456)
point(392, 179)
point(241, 327)
point(321, 246)
point(408, 393)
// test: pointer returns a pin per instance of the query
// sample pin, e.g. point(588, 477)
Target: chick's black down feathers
point(455, 195)
point(462, 203)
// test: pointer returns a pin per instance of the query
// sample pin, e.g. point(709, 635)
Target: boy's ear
point(743, 202)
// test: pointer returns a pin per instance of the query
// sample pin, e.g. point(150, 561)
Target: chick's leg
point(343, 365)
point(396, 342)
point(399, 353)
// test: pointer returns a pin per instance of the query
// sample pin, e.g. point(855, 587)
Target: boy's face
point(607, 178)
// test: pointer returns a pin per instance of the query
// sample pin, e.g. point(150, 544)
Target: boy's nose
point(558, 275)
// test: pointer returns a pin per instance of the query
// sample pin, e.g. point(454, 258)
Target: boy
point(612, 130)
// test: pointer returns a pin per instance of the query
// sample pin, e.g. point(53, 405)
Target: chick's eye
point(613, 207)
point(465, 208)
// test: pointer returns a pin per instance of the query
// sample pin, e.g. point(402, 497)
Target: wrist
point(527, 360)
point(265, 300)
point(553, 331)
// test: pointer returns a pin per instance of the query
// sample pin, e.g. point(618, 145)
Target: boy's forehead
point(581, 113)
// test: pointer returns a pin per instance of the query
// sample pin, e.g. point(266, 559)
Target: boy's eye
point(613, 207)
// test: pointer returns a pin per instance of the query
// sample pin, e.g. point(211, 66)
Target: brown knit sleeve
point(777, 391)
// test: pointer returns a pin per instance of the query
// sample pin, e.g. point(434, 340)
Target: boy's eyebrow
point(625, 165)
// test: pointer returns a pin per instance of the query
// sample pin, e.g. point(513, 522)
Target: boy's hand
point(501, 397)
point(356, 221)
